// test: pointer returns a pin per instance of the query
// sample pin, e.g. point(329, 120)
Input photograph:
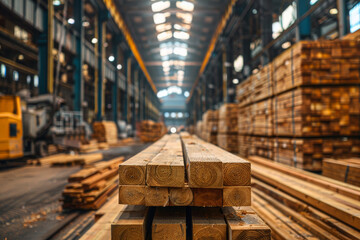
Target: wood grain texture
point(181, 196)
point(169, 223)
point(132, 194)
point(156, 196)
point(208, 223)
point(237, 196)
point(208, 197)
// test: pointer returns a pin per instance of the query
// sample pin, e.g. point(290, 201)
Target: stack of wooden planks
point(227, 137)
point(151, 131)
point(90, 187)
point(345, 170)
point(105, 131)
point(65, 159)
point(90, 146)
point(300, 205)
point(199, 129)
point(182, 187)
point(312, 99)
point(210, 126)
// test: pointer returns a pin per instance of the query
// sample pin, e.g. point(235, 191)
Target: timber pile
point(90, 187)
point(179, 176)
point(300, 205)
point(105, 131)
point(210, 126)
point(151, 131)
point(91, 146)
point(353, 36)
point(312, 100)
point(64, 159)
point(345, 170)
point(228, 127)
point(199, 129)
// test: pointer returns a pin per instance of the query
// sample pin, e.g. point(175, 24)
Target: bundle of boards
point(210, 126)
point(228, 127)
point(65, 159)
point(345, 170)
point(297, 204)
point(90, 187)
point(184, 187)
point(105, 131)
point(151, 131)
point(304, 104)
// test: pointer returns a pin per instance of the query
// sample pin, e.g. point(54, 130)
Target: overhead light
point(119, 67)
point(181, 72)
point(173, 130)
point(159, 18)
point(333, 11)
point(186, 94)
point(71, 21)
point(181, 35)
point(165, 51)
point(182, 27)
point(21, 57)
point(163, 27)
point(180, 51)
point(164, 35)
point(162, 93)
point(167, 115)
point(286, 45)
point(173, 115)
point(254, 11)
point(185, 5)
point(56, 2)
point(186, 17)
point(239, 63)
point(159, 6)
point(94, 40)
point(111, 58)
point(86, 23)
point(235, 81)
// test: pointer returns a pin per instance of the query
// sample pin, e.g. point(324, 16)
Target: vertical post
point(303, 30)
point(115, 88)
point(342, 16)
point(229, 72)
point(246, 50)
point(133, 109)
point(224, 75)
point(101, 65)
point(266, 27)
point(78, 60)
point(128, 82)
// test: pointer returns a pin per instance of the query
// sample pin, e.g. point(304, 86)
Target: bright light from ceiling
point(174, 89)
point(185, 5)
point(286, 45)
point(159, 18)
point(163, 27)
point(180, 51)
point(333, 11)
point(186, 94)
point(182, 27)
point(173, 130)
point(71, 21)
point(56, 2)
point(111, 58)
point(162, 93)
point(181, 35)
point(235, 81)
point(165, 51)
point(185, 17)
point(119, 67)
point(164, 35)
point(159, 6)
point(94, 40)
point(239, 63)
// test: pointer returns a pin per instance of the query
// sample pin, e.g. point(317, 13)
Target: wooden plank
point(237, 196)
point(244, 223)
point(204, 169)
point(204, 197)
point(132, 194)
point(208, 223)
point(167, 168)
point(181, 196)
point(133, 171)
point(131, 224)
point(342, 170)
point(156, 196)
point(169, 223)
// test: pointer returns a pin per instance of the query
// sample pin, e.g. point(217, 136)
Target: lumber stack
point(345, 170)
point(228, 127)
point(65, 159)
point(90, 187)
point(182, 187)
point(210, 126)
point(312, 100)
point(105, 131)
point(300, 205)
point(199, 129)
point(151, 131)
point(91, 146)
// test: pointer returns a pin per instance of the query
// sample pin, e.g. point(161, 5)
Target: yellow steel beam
point(212, 45)
point(110, 5)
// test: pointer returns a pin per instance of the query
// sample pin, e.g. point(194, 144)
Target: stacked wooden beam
point(180, 176)
point(227, 137)
point(312, 99)
point(151, 131)
point(210, 126)
point(345, 170)
point(90, 187)
point(105, 131)
point(199, 129)
point(65, 159)
point(300, 205)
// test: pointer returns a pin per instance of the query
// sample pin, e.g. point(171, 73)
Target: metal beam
point(342, 16)
point(159, 64)
point(303, 30)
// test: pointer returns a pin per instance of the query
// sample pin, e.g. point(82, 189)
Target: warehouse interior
point(180, 119)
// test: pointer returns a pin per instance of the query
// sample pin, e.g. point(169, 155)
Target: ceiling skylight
point(182, 27)
point(160, 17)
point(165, 51)
point(185, 5)
point(164, 35)
point(163, 27)
point(159, 6)
point(185, 17)
point(180, 51)
point(181, 35)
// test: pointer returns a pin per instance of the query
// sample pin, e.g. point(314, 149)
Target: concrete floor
point(29, 197)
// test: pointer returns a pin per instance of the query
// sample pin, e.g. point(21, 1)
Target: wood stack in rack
point(227, 137)
point(105, 131)
point(151, 131)
point(315, 103)
point(90, 187)
point(210, 126)
point(186, 178)
point(345, 170)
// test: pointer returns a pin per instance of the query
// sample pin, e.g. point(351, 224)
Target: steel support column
point(115, 88)
point(229, 73)
point(266, 28)
point(78, 60)
point(343, 17)
point(303, 30)
point(246, 50)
